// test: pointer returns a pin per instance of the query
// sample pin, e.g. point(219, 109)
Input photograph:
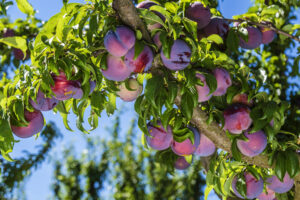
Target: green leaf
point(25, 7)
point(189, 158)
point(187, 105)
point(6, 139)
point(16, 42)
point(215, 38)
point(235, 151)
point(207, 191)
point(211, 82)
point(241, 186)
point(138, 48)
point(151, 89)
point(111, 104)
point(292, 163)
point(280, 167)
point(191, 27)
point(232, 41)
point(152, 18)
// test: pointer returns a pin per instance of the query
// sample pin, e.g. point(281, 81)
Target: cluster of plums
point(162, 139)
point(63, 89)
point(254, 187)
point(18, 54)
point(208, 26)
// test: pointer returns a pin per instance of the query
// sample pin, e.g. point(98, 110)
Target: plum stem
point(265, 25)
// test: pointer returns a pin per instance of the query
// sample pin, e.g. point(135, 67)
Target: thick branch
point(265, 25)
point(129, 16)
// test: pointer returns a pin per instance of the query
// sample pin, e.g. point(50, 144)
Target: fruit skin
point(255, 145)
point(157, 41)
point(147, 5)
point(217, 26)
point(35, 121)
point(254, 38)
point(65, 89)
point(116, 69)
point(198, 13)
point(180, 56)
point(237, 118)
point(269, 196)
point(242, 99)
point(268, 35)
point(206, 147)
point(142, 63)
point(120, 41)
point(186, 147)
point(280, 187)
point(254, 186)
point(181, 163)
point(8, 33)
point(19, 55)
point(203, 91)
point(161, 139)
point(43, 103)
point(127, 95)
point(223, 81)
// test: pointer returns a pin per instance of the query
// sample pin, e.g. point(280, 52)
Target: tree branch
point(213, 131)
point(129, 15)
point(265, 25)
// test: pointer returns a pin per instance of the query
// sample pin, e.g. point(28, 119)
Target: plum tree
point(280, 186)
point(255, 145)
point(268, 35)
point(223, 81)
point(181, 163)
point(120, 41)
point(237, 118)
point(128, 95)
point(203, 91)
point(254, 38)
point(43, 103)
point(268, 195)
point(186, 147)
point(142, 63)
point(161, 139)
point(116, 69)
point(198, 13)
point(180, 56)
point(206, 147)
point(65, 89)
point(254, 187)
point(217, 26)
point(35, 121)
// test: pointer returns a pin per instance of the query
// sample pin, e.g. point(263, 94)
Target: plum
point(142, 63)
point(186, 147)
point(268, 35)
point(157, 41)
point(181, 163)
point(198, 13)
point(180, 56)
point(256, 144)
point(19, 55)
point(35, 121)
point(120, 41)
point(147, 5)
point(8, 33)
point(65, 89)
point(206, 146)
point(217, 26)
point(237, 118)
point(254, 187)
point(92, 86)
point(161, 139)
point(128, 95)
point(116, 69)
point(242, 99)
point(254, 38)
point(269, 195)
point(223, 81)
point(43, 103)
point(280, 187)
point(203, 91)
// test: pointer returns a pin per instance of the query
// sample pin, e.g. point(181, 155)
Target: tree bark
point(213, 131)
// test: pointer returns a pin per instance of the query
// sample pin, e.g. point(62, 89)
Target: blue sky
point(38, 185)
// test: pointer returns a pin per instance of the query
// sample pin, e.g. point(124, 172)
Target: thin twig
point(265, 25)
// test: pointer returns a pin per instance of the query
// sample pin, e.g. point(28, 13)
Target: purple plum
point(255, 145)
point(268, 35)
point(128, 95)
point(203, 91)
point(206, 147)
point(280, 187)
point(242, 99)
point(198, 13)
point(223, 81)
point(43, 103)
point(254, 38)
point(268, 195)
point(181, 163)
point(180, 56)
point(8, 33)
point(217, 26)
point(120, 41)
point(161, 139)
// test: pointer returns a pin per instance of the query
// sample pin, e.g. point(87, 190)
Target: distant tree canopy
point(200, 82)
